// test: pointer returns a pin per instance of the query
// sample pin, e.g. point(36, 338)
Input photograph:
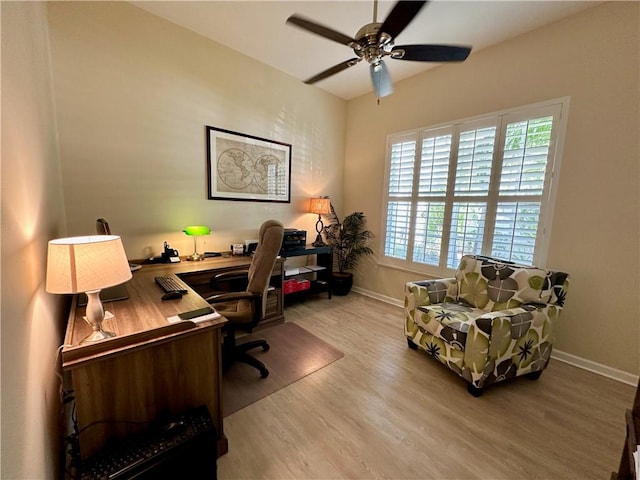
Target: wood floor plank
point(385, 411)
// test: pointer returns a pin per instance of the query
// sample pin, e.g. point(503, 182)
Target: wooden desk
point(151, 367)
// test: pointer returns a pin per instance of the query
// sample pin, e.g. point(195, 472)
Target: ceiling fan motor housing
point(370, 47)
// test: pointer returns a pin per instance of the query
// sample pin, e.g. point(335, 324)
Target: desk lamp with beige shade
point(87, 264)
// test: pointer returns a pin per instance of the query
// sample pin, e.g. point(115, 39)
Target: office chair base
point(255, 363)
point(238, 353)
point(241, 355)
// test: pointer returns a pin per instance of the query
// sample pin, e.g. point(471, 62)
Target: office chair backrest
point(264, 258)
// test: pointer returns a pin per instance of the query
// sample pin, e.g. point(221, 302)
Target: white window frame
point(557, 107)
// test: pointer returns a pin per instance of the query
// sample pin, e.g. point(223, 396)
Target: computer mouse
point(172, 296)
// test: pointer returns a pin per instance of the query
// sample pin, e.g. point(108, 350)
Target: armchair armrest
point(429, 292)
point(514, 341)
point(422, 293)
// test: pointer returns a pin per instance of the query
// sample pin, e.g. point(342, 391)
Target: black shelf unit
point(318, 274)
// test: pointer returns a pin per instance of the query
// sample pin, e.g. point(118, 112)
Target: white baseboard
point(594, 367)
point(377, 296)
point(559, 355)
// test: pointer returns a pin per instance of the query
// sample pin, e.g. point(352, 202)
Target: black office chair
point(244, 310)
point(102, 227)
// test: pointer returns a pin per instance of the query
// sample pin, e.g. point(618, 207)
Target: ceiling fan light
point(381, 79)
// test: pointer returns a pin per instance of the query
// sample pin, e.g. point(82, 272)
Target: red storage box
point(290, 286)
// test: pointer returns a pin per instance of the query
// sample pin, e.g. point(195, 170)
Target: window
point(477, 186)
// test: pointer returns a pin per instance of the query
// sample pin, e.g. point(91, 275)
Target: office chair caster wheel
point(266, 348)
point(264, 373)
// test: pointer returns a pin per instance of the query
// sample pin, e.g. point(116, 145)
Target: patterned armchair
point(494, 321)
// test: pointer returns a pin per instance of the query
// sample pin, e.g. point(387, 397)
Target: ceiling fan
point(376, 40)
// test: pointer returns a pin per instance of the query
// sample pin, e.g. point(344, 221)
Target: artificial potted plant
point(350, 241)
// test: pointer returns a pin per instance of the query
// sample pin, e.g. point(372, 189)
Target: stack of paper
point(315, 268)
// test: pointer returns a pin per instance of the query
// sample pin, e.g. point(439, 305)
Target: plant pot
point(341, 283)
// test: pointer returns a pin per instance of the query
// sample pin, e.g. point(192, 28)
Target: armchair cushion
point(492, 284)
point(450, 321)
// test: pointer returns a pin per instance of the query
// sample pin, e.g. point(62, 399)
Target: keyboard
point(171, 284)
point(157, 450)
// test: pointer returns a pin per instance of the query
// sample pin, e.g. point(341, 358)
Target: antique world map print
point(247, 168)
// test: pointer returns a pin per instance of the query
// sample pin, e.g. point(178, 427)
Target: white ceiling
point(258, 30)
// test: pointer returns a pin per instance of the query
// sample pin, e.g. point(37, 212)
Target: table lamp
point(196, 231)
point(321, 206)
point(87, 264)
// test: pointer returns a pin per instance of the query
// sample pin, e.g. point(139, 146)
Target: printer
point(294, 239)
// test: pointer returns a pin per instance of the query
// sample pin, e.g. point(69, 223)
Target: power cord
point(67, 412)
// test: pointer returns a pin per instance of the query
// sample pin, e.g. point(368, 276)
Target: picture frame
point(247, 168)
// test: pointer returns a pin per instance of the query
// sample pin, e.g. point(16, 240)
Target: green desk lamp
point(196, 231)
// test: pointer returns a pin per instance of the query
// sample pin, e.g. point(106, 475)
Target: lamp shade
point(197, 230)
point(321, 205)
point(83, 264)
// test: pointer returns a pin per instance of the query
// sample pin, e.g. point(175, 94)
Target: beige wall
point(32, 214)
point(134, 93)
point(593, 58)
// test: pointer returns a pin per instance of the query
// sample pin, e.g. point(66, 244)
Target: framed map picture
point(244, 167)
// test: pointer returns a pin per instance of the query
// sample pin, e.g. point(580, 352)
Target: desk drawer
point(273, 304)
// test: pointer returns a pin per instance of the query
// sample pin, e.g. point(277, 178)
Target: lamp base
point(319, 228)
point(319, 242)
point(97, 336)
point(95, 316)
point(196, 257)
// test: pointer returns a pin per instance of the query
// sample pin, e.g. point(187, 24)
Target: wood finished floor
point(387, 412)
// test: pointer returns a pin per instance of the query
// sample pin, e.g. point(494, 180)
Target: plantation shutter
point(400, 189)
point(523, 178)
point(471, 191)
point(477, 186)
point(435, 157)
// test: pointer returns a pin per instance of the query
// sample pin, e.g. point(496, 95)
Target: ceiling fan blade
point(333, 70)
point(381, 79)
point(431, 53)
point(321, 30)
point(399, 17)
